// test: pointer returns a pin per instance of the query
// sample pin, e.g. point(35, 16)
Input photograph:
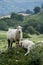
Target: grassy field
point(3, 39)
point(18, 54)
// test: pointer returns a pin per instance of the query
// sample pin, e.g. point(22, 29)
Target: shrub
point(15, 56)
point(31, 30)
point(37, 33)
point(25, 35)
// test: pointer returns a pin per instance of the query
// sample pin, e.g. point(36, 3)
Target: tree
point(3, 25)
point(42, 6)
point(31, 30)
point(37, 9)
point(14, 16)
point(20, 17)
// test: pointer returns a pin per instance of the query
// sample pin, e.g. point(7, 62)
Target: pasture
point(15, 56)
point(3, 39)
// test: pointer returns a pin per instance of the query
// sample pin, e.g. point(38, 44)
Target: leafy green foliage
point(37, 9)
point(31, 24)
point(35, 21)
point(25, 35)
point(15, 56)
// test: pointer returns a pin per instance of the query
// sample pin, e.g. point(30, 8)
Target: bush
point(31, 30)
point(25, 35)
point(37, 33)
point(15, 56)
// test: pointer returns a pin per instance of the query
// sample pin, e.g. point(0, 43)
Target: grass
point(36, 38)
point(38, 17)
point(15, 56)
point(3, 39)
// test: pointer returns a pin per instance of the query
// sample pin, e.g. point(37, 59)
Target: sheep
point(27, 44)
point(14, 35)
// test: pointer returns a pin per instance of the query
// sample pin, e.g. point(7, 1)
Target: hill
point(38, 16)
point(31, 24)
point(7, 16)
point(36, 21)
point(26, 12)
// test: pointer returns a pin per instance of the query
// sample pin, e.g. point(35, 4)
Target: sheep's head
point(19, 29)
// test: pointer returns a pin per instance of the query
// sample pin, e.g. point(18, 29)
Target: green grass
point(3, 39)
point(38, 17)
point(36, 38)
point(15, 56)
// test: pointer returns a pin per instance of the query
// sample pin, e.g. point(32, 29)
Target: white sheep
point(27, 44)
point(14, 35)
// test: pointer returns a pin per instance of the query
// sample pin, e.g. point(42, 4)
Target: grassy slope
point(38, 17)
point(15, 56)
point(3, 40)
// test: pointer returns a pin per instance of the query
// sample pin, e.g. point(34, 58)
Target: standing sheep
point(14, 35)
point(27, 44)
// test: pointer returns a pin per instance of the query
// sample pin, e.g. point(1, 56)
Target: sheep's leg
point(11, 44)
point(17, 44)
point(8, 43)
point(28, 50)
point(26, 53)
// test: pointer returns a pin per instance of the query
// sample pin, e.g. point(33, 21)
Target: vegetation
point(37, 9)
point(15, 56)
point(32, 24)
point(3, 39)
point(36, 21)
point(42, 6)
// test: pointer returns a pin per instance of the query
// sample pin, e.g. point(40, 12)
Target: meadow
point(15, 56)
point(3, 39)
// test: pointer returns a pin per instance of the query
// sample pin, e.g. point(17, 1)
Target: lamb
point(27, 44)
point(14, 35)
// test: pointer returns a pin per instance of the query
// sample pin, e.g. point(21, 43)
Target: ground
point(3, 39)
point(15, 56)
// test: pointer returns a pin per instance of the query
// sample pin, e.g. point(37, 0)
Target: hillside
point(36, 21)
point(38, 16)
point(7, 16)
point(32, 22)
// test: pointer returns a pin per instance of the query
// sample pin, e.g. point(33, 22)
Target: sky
point(8, 6)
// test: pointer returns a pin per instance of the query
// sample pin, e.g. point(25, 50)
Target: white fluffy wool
point(26, 44)
point(14, 34)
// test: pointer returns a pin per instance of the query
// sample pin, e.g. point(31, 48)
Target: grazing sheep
point(27, 44)
point(14, 35)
